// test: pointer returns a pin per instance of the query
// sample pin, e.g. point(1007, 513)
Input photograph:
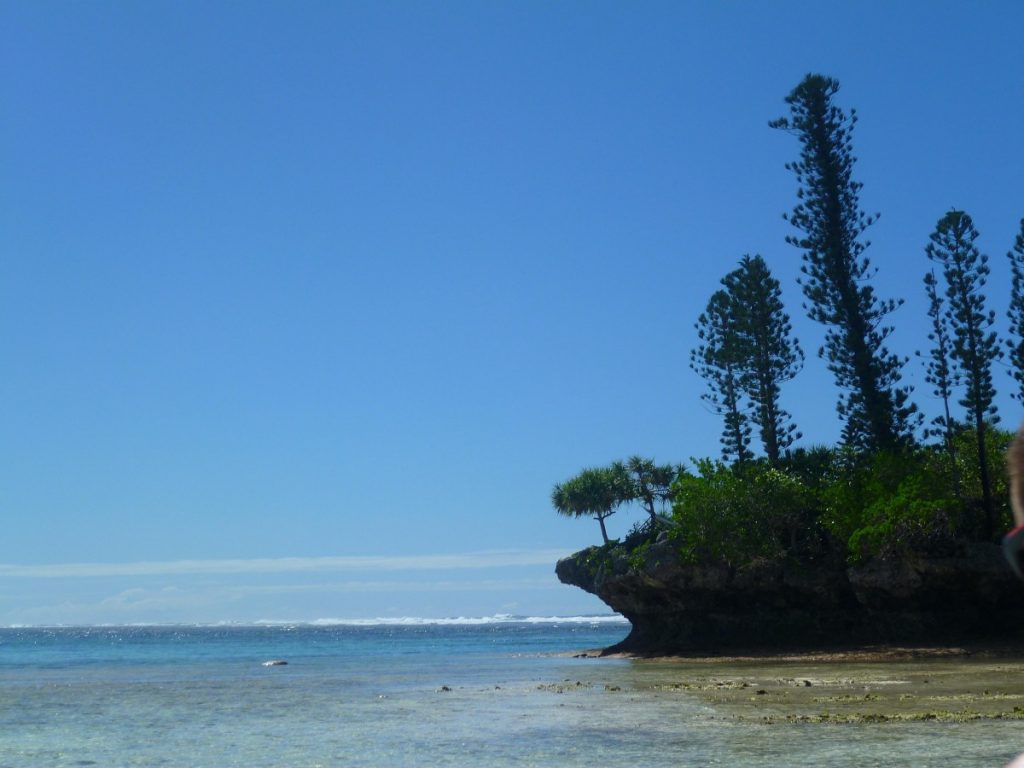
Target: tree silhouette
point(941, 373)
point(595, 492)
point(648, 482)
point(974, 346)
point(1016, 314)
point(718, 361)
point(874, 407)
point(767, 357)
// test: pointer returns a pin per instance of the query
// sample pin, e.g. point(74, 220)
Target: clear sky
point(304, 307)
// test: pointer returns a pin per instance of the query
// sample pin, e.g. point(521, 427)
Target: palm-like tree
point(648, 482)
point(595, 492)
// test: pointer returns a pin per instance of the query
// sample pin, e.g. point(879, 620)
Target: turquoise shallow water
point(375, 696)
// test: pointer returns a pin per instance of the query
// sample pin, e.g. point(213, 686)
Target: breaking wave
point(414, 621)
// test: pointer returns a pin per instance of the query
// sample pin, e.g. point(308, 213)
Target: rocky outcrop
point(674, 607)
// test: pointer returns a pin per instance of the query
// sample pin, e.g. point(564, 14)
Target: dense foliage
point(833, 502)
point(735, 514)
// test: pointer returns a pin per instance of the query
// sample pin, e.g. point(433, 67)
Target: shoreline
point(851, 654)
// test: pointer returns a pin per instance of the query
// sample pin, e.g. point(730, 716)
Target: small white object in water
point(275, 663)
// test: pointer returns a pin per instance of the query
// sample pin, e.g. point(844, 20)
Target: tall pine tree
point(875, 408)
point(717, 360)
point(1016, 314)
point(767, 356)
point(941, 373)
point(975, 346)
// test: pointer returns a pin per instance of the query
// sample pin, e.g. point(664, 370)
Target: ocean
point(502, 691)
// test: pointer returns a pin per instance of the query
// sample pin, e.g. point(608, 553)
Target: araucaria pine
point(875, 408)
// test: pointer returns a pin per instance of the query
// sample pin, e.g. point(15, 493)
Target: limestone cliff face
point(674, 607)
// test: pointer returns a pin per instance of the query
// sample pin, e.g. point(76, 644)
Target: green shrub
point(736, 515)
point(595, 558)
point(906, 521)
point(997, 441)
point(828, 501)
point(892, 503)
point(637, 558)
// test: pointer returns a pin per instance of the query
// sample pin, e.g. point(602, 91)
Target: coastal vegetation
point(599, 492)
point(895, 486)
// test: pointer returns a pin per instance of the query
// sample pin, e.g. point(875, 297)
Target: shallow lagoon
point(376, 696)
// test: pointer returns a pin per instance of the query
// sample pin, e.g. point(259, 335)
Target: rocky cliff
point(968, 595)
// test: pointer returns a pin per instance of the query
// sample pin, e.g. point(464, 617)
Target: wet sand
point(882, 684)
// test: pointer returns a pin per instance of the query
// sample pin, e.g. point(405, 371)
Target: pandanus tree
point(647, 483)
point(595, 492)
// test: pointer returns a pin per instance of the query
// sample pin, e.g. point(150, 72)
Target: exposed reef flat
point(952, 688)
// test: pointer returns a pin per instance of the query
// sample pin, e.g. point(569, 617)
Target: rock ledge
point(677, 608)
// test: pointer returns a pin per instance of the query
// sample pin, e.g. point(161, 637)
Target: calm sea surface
point(493, 693)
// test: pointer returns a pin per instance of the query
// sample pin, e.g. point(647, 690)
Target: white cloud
point(403, 587)
point(465, 561)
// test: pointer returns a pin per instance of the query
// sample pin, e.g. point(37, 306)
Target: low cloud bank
point(465, 561)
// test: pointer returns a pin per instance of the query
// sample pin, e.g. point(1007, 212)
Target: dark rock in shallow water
point(275, 663)
point(678, 608)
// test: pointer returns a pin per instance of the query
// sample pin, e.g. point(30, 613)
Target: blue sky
point(304, 307)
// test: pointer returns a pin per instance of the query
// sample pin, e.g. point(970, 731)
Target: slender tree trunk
point(769, 434)
point(974, 385)
point(649, 503)
point(768, 397)
point(951, 450)
point(735, 421)
point(604, 532)
point(986, 487)
point(877, 416)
